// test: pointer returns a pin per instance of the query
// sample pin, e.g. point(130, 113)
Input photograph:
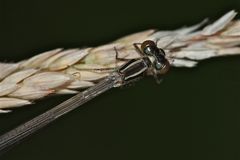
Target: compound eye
point(147, 46)
point(158, 65)
point(163, 67)
point(149, 50)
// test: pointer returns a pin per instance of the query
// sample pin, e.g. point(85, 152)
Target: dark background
point(194, 114)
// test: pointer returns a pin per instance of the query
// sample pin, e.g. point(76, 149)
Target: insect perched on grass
point(151, 59)
point(112, 65)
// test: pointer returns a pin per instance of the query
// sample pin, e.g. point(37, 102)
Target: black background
point(194, 114)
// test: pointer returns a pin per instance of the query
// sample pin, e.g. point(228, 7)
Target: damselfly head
point(160, 63)
point(149, 47)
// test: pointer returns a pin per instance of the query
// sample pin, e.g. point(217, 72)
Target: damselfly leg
point(140, 52)
point(105, 69)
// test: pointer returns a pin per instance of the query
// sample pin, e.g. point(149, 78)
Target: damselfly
point(152, 60)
